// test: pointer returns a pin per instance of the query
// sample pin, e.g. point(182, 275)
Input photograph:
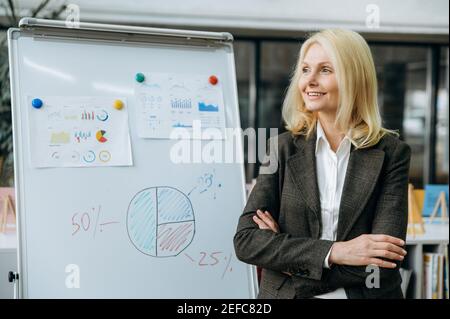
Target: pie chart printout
point(160, 221)
point(100, 135)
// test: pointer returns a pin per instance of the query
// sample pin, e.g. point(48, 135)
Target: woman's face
point(318, 84)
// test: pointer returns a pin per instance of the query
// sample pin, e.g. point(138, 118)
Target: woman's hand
point(266, 221)
point(360, 251)
point(364, 250)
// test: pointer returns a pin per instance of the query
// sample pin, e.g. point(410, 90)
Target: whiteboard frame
point(100, 32)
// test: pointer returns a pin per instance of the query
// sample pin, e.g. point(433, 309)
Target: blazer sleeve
point(276, 251)
point(390, 218)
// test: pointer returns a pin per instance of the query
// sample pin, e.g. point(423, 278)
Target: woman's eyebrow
point(319, 63)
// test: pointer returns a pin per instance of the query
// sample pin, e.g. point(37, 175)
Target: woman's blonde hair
point(357, 112)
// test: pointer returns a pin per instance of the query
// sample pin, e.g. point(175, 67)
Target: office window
point(401, 72)
point(244, 54)
point(277, 64)
point(442, 120)
point(402, 87)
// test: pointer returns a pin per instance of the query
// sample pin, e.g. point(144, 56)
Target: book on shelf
point(433, 278)
point(427, 273)
point(446, 294)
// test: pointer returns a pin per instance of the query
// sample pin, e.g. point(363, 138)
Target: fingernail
point(394, 265)
point(402, 243)
point(404, 252)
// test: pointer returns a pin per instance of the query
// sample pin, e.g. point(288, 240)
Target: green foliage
point(12, 18)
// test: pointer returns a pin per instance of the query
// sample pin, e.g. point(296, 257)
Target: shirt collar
point(321, 136)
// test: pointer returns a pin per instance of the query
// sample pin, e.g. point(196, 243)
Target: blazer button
point(302, 272)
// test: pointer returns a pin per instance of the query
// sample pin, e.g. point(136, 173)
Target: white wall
point(399, 16)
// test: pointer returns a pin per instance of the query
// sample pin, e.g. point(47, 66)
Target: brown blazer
point(374, 201)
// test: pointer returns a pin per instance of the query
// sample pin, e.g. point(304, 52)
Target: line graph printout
point(168, 101)
point(79, 132)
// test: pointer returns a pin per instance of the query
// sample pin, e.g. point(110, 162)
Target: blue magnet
point(37, 103)
point(140, 77)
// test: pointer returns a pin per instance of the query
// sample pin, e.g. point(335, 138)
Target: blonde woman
point(331, 221)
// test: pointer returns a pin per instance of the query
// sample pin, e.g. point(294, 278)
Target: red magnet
point(213, 79)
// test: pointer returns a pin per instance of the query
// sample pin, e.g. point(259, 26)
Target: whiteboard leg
point(14, 278)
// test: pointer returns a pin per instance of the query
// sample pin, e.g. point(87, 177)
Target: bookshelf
point(434, 240)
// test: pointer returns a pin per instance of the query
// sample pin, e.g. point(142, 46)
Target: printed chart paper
point(168, 101)
point(79, 132)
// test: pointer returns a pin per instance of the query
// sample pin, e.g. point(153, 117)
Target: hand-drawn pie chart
point(100, 136)
point(160, 221)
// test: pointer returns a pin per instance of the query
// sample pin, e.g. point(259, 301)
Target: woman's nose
point(312, 81)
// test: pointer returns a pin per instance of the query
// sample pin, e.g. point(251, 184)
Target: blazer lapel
point(303, 172)
point(363, 169)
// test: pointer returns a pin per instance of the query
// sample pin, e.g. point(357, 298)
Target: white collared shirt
point(331, 168)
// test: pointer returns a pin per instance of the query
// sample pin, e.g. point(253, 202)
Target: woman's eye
point(326, 70)
point(305, 70)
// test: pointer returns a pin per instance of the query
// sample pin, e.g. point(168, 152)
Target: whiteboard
point(75, 224)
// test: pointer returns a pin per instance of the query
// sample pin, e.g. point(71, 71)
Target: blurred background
point(408, 39)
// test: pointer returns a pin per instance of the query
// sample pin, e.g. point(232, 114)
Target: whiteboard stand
point(50, 58)
point(13, 277)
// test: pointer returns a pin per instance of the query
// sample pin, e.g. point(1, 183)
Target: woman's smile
point(314, 95)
